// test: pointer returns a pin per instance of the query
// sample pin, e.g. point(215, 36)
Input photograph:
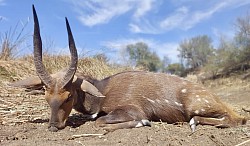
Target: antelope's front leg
point(124, 117)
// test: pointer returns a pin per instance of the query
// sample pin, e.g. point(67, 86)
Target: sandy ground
point(24, 120)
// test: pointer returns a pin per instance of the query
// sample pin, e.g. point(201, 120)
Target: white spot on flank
point(167, 101)
point(197, 95)
point(177, 103)
point(203, 110)
point(198, 99)
point(184, 90)
point(196, 111)
point(151, 100)
point(94, 115)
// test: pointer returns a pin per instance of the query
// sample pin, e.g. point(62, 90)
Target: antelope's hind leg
point(124, 117)
point(222, 122)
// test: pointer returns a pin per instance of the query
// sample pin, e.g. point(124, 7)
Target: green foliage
point(242, 38)
point(140, 55)
point(175, 68)
point(195, 52)
point(232, 55)
point(224, 57)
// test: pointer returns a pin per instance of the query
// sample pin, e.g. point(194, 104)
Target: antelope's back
point(157, 94)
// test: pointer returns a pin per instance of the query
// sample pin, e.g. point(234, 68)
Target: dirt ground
point(24, 120)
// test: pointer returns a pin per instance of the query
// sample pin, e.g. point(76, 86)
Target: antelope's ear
point(91, 89)
point(29, 83)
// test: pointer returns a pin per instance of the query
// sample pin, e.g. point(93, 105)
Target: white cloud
point(187, 16)
point(144, 20)
point(176, 19)
point(103, 14)
point(185, 19)
point(122, 43)
point(135, 28)
point(144, 26)
point(162, 49)
point(92, 13)
point(143, 7)
point(199, 16)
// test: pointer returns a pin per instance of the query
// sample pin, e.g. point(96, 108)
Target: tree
point(243, 37)
point(140, 55)
point(225, 56)
point(165, 62)
point(195, 51)
point(175, 68)
point(232, 55)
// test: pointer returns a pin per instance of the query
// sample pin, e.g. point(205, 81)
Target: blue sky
point(102, 26)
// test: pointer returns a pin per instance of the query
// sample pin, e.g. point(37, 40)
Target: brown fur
point(158, 96)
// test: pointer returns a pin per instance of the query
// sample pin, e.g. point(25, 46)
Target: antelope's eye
point(69, 98)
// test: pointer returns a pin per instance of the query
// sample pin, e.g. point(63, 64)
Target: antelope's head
point(60, 93)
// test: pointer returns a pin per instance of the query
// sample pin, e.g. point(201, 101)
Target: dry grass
point(11, 40)
point(92, 67)
point(233, 82)
point(21, 68)
point(15, 70)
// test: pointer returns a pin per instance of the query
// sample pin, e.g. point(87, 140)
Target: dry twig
point(85, 135)
point(244, 142)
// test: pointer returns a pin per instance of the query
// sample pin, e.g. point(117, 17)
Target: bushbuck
point(127, 99)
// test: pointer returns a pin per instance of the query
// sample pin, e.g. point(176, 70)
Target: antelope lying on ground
point(129, 99)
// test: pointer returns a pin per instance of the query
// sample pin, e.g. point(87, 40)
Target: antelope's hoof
point(53, 129)
point(192, 124)
point(146, 123)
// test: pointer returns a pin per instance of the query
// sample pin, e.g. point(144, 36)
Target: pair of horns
point(40, 68)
